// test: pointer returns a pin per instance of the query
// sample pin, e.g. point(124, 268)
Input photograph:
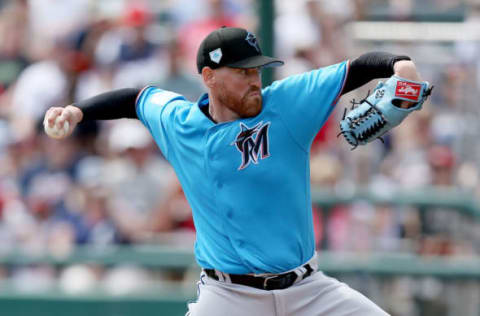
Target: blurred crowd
point(108, 184)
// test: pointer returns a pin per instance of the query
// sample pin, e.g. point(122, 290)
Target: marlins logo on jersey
point(252, 142)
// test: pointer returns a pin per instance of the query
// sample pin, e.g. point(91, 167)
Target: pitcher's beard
point(247, 106)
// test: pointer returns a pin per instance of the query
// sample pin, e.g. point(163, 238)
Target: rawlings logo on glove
point(381, 111)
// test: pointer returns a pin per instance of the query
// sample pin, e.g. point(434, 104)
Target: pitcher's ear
point(208, 75)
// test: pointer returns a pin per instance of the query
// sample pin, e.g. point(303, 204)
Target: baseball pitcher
point(242, 155)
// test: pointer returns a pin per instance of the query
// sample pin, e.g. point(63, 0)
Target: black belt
point(273, 282)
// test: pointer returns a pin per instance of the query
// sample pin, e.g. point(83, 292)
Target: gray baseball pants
point(316, 295)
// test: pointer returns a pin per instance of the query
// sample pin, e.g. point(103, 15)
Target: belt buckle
point(281, 281)
point(265, 282)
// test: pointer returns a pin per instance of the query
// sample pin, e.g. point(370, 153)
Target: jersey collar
point(202, 105)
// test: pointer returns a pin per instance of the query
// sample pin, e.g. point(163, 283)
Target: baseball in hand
point(55, 131)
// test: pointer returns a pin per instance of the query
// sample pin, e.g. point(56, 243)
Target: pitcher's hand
point(59, 122)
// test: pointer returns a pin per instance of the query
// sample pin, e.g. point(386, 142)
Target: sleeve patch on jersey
point(163, 97)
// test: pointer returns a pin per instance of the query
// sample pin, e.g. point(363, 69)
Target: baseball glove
point(380, 111)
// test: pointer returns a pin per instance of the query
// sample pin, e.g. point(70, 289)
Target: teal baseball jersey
point(248, 180)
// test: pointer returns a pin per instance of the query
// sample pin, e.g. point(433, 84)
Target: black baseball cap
point(232, 47)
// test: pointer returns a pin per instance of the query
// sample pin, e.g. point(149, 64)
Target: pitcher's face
point(240, 89)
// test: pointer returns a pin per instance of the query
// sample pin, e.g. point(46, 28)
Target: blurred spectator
point(178, 78)
point(331, 225)
point(44, 186)
point(51, 19)
point(13, 57)
point(136, 50)
point(136, 45)
point(191, 34)
point(94, 74)
point(409, 152)
point(401, 9)
point(439, 224)
point(442, 162)
point(136, 176)
point(288, 41)
point(174, 212)
point(46, 82)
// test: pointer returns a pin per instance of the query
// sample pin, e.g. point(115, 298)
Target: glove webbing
point(371, 130)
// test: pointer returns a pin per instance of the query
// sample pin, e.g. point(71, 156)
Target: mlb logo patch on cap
point(408, 90)
point(216, 55)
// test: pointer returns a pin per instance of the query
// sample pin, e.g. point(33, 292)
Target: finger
point(66, 116)
point(52, 115)
point(76, 114)
point(407, 104)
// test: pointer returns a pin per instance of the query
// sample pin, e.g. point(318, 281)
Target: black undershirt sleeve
point(110, 105)
point(370, 66)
